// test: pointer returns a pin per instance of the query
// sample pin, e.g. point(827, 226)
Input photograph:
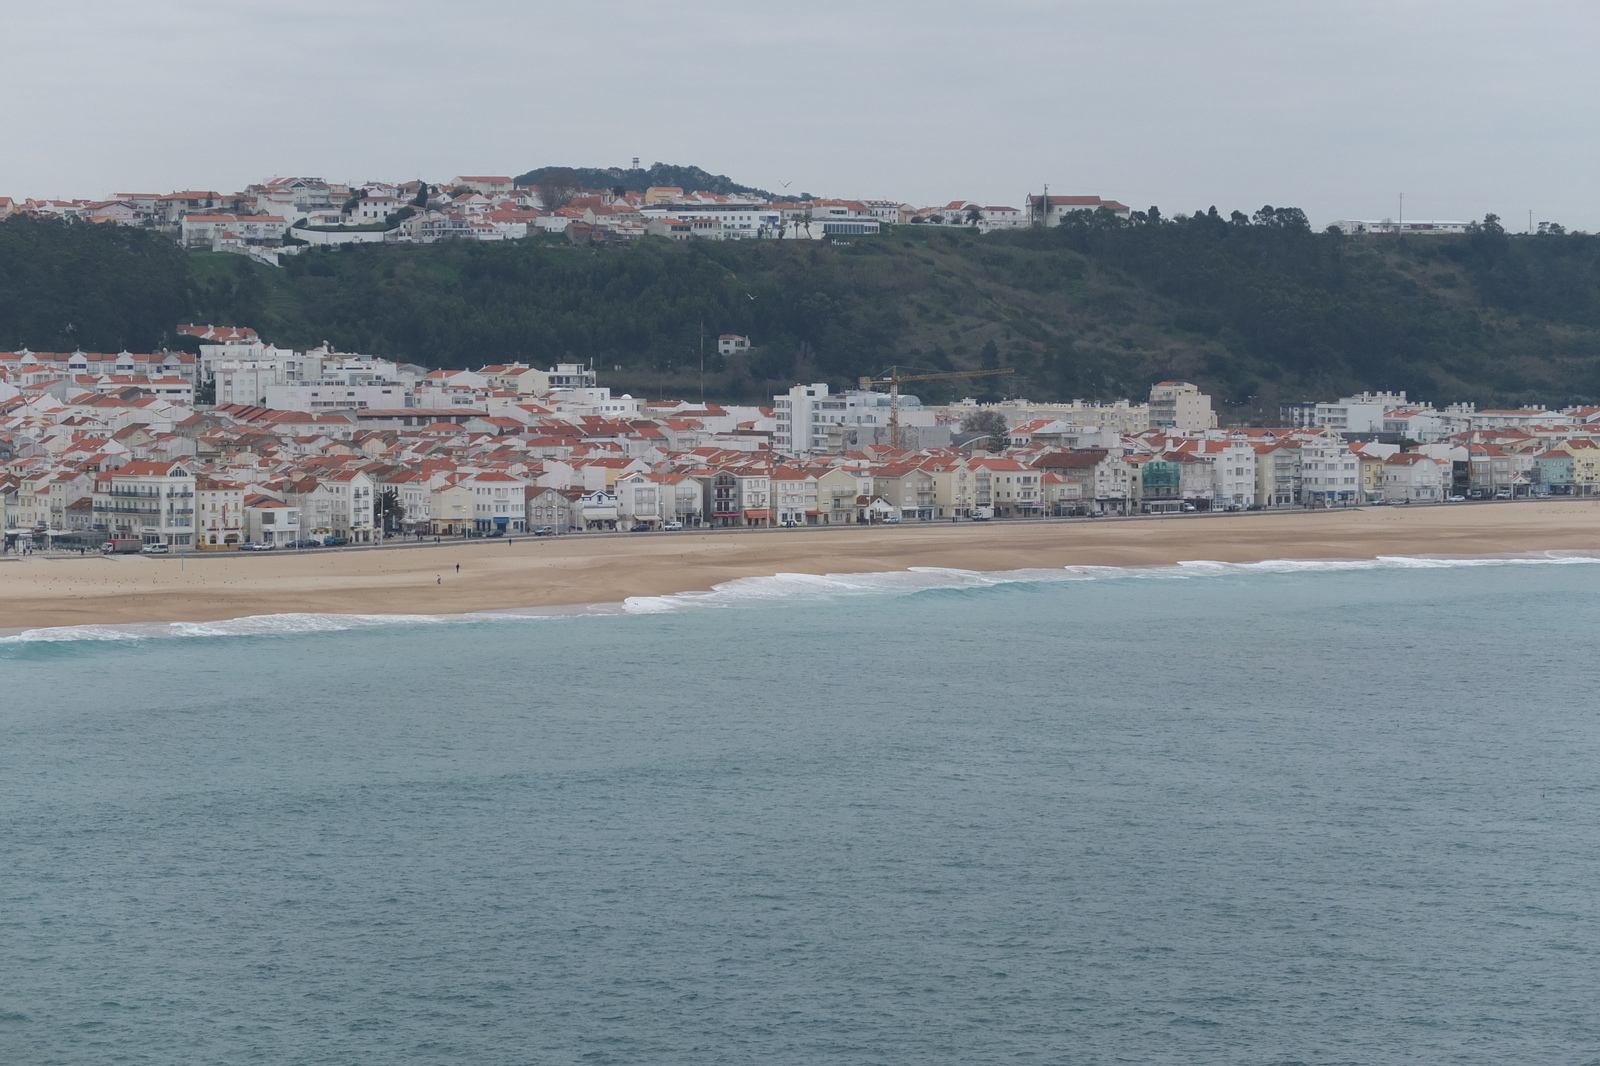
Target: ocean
point(1280, 813)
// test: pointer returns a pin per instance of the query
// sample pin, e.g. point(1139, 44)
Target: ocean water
point(1289, 813)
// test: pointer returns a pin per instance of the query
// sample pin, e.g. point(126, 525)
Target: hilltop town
point(304, 448)
point(286, 215)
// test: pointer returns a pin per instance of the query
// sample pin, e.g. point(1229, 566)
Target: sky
point(1339, 107)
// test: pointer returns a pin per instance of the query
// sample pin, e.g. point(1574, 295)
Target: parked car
point(640, 527)
point(672, 527)
point(544, 531)
point(1455, 499)
point(155, 549)
point(1256, 507)
point(253, 546)
point(890, 520)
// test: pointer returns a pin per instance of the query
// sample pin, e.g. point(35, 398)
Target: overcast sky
point(1336, 106)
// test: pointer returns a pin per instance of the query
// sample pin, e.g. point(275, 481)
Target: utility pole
point(1402, 220)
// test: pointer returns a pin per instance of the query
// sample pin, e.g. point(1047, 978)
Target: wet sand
point(579, 569)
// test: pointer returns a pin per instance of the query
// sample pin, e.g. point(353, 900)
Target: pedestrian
point(458, 568)
point(438, 580)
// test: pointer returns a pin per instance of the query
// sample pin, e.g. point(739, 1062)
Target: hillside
point(1258, 310)
point(638, 179)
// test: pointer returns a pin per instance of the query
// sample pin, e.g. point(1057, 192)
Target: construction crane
point(893, 378)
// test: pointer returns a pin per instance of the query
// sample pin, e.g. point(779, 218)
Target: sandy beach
point(577, 569)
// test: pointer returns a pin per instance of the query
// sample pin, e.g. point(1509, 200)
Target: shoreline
point(578, 572)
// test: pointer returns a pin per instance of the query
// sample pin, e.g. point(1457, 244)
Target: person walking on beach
point(437, 579)
point(458, 568)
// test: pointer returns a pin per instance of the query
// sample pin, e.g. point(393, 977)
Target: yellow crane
point(893, 378)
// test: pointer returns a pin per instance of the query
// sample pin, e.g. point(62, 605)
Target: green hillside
point(1256, 309)
point(638, 179)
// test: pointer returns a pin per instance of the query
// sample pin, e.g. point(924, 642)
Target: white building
point(219, 514)
point(1181, 407)
point(499, 502)
point(318, 396)
point(1234, 473)
point(1434, 227)
point(151, 501)
point(200, 231)
point(1329, 471)
point(1363, 413)
point(735, 219)
point(1053, 210)
point(811, 420)
point(269, 521)
point(1119, 418)
point(803, 415)
point(1414, 476)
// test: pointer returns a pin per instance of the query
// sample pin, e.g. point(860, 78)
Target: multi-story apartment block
point(149, 500)
point(1180, 407)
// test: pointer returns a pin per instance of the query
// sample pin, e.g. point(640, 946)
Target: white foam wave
point(750, 591)
point(263, 625)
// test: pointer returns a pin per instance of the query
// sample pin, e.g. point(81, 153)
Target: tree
point(558, 188)
point(989, 423)
point(421, 199)
point(1282, 218)
point(974, 215)
point(391, 512)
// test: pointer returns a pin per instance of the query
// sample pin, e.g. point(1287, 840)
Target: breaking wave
point(751, 591)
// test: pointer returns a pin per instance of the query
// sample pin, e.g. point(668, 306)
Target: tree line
point(1256, 308)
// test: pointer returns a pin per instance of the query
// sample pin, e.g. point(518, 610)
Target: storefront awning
point(758, 514)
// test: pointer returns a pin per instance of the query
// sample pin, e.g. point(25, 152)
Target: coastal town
point(229, 442)
point(243, 445)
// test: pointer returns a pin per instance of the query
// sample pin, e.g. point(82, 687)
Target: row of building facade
point(324, 446)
